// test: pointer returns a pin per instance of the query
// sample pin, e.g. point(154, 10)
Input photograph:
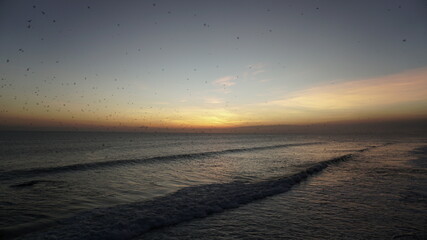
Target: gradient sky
point(230, 63)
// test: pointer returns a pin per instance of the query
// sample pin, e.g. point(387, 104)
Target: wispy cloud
point(253, 71)
point(256, 69)
point(226, 81)
point(259, 71)
point(404, 87)
point(223, 84)
point(213, 100)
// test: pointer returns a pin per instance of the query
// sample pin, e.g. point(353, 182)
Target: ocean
point(96, 185)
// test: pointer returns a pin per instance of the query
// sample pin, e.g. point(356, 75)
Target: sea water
point(77, 185)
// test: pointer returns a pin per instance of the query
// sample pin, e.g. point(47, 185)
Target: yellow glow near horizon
point(402, 95)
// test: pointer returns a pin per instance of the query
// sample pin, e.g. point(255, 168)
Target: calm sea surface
point(211, 186)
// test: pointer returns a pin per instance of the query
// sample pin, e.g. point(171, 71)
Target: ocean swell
point(130, 220)
point(24, 173)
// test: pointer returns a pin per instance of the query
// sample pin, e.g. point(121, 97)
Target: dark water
point(201, 186)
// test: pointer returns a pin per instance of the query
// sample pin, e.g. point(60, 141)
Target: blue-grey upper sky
point(209, 63)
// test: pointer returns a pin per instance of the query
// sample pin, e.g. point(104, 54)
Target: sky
point(210, 64)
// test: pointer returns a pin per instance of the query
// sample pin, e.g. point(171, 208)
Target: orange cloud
point(408, 86)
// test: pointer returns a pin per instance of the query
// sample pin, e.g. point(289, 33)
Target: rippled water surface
point(380, 194)
point(177, 186)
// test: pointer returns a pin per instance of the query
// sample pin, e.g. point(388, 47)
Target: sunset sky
point(202, 64)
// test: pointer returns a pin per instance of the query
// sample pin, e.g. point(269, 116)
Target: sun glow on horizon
point(187, 65)
point(394, 96)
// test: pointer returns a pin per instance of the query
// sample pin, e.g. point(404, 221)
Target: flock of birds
point(44, 99)
point(47, 98)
